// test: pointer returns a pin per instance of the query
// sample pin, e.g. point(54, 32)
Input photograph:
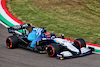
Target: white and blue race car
point(38, 40)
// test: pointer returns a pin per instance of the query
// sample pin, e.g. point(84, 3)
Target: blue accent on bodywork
point(35, 35)
point(55, 41)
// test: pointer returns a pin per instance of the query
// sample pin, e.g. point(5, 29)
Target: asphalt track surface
point(25, 58)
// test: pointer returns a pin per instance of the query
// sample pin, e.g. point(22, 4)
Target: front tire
point(53, 49)
point(12, 42)
point(79, 43)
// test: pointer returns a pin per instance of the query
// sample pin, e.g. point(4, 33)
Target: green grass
point(74, 18)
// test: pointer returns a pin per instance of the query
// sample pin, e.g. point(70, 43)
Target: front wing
point(67, 54)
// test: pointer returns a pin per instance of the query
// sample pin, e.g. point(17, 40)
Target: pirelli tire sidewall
point(79, 43)
point(54, 48)
point(12, 42)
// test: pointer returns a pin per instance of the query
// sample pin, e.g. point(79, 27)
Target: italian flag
point(8, 20)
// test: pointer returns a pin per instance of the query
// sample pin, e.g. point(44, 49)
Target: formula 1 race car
point(44, 42)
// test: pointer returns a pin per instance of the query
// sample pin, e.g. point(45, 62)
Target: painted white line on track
point(8, 27)
point(95, 52)
point(98, 48)
point(4, 24)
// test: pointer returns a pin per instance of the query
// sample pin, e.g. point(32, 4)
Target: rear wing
point(21, 28)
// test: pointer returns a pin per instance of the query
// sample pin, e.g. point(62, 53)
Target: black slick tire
point(12, 42)
point(53, 49)
point(79, 43)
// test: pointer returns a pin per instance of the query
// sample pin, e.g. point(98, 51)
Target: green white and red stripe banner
point(8, 20)
point(6, 17)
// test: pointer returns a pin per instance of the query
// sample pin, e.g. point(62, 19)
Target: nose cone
point(71, 47)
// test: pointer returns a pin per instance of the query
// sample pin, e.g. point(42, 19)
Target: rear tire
point(53, 49)
point(12, 42)
point(79, 43)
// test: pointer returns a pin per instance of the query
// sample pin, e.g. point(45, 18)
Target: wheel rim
point(50, 51)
